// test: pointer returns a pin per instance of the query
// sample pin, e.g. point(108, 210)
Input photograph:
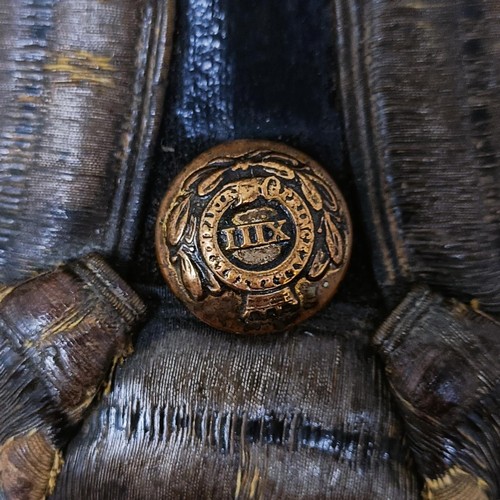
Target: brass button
point(254, 237)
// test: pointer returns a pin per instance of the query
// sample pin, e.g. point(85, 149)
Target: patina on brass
point(254, 237)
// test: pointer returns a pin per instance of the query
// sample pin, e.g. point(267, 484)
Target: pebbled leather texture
point(80, 88)
point(262, 72)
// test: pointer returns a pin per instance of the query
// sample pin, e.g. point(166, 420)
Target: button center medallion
point(253, 236)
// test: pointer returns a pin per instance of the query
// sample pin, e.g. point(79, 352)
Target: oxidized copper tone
point(254, 237)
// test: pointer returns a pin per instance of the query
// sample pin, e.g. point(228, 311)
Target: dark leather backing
point(195, 412)
point(269, 72)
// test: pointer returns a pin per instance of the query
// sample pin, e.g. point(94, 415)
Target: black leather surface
point(267, 69)
point(264, 69)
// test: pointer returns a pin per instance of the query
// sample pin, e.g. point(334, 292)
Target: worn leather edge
point(445, 378)
point(153, 59)
point(382, 224)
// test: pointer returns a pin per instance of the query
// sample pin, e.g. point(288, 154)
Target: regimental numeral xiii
point(253, 235)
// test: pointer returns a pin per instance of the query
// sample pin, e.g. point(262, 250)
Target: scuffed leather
point(262, 72)
point(196, 412)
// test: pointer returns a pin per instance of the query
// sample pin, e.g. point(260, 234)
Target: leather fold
point(61, 333)
point(441, 359)
point(81, 93)
point(421, 107)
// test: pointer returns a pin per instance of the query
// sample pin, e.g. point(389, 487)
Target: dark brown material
point(254, 237)
point(29, 465)
point(421, 100)
point(197, 413)
point(60, 334)
point(81, 85)
point(302, 415)
point(442, 360)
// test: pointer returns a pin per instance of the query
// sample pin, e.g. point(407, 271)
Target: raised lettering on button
point(254, 237)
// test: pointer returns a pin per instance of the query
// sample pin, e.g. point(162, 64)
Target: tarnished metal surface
point(308, 414)
point(80, 87)
point(254, 237)
point(197, 413)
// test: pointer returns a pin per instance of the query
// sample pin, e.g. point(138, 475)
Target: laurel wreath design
point(181, 225)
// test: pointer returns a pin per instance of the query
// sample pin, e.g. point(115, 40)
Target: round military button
point(254, 237)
